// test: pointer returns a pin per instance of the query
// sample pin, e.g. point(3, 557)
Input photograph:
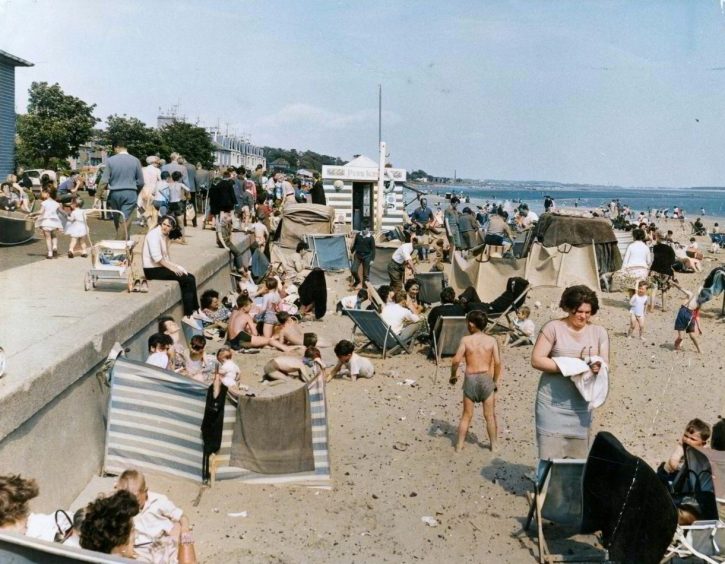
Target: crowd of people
point(270, 302)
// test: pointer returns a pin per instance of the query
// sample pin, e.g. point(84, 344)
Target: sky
point(603, 92)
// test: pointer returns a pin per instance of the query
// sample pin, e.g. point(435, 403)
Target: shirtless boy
point(483, 368)
point(242, 331)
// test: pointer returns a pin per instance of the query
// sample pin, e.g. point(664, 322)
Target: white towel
point(593, 387)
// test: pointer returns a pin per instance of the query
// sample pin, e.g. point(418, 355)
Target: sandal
point(70, 254)
point(84, 255)
point(136, 286)
point(144, 287)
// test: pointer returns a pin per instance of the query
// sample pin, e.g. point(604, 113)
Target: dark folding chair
point(447, 335)
point(431, 285)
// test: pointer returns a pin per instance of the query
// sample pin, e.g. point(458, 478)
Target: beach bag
point(190, 212)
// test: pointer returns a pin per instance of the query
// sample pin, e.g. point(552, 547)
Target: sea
point(692, 200)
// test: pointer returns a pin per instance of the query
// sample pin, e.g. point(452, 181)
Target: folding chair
point(558, 498)
point(191, 327)
point(447, 335)
point(375, 298)
point(19, 549)
point(497, 320)
point(431, 285)
point(702, 476)
point(378, 333)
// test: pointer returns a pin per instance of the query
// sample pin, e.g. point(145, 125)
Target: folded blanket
point(592, 387)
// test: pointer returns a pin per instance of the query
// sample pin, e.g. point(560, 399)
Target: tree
point(55, 126)
point(191, 141)
point(418, 174)
point(141, 140)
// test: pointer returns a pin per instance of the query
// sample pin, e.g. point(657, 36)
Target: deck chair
point(702, 476)
point(378, 333)
point(20, 549)
point(375, 298)
point(447, 335)
point(558, 498)
point(499, 313)
point(431, 285)
point(191, 326)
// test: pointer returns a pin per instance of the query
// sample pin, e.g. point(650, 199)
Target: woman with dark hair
point(563, 418)
point(15, 493)
point(108, 524)
point(158, 266)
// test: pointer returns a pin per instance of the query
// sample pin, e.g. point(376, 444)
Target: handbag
point(190, 212)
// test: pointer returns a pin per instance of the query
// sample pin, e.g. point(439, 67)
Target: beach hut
point(8, 64)
point(352, 190)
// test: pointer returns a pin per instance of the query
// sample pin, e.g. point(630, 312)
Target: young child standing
point(77, 229)
point(49, 220)
point(637, 306)
point(483, 369)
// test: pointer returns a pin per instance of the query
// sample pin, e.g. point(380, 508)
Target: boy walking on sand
point(637, 305)
point(483, 368)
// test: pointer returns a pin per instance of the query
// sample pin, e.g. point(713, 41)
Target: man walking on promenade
point(123, 176)
point(191, 175)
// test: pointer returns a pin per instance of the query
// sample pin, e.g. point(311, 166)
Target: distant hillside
point(296, 159)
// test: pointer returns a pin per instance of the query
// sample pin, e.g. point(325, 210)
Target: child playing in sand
point(159, 525)
point(637, 305)
point(229, 371)
point(483, 369)
point(524, 328)
point(688, 318)
point(350, 363)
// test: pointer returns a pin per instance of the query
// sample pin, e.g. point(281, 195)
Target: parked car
point(35, 174)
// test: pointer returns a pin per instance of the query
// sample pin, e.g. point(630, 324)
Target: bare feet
point(678, 342)
point(459, 447)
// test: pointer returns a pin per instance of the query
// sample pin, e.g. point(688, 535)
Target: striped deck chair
point(19, 549)
point(378, 333)
point(447, 335)
point(431, 285)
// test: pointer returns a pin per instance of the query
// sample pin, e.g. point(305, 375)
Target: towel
point(593, 387)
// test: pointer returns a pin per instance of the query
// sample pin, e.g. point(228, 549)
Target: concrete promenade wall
point(56, 337)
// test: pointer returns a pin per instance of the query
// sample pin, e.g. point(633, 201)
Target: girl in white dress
point(49, 221)
point(77, 229)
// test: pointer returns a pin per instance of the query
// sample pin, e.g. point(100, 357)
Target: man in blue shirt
point(69, 187)
point(123, 176)
point(423, 215)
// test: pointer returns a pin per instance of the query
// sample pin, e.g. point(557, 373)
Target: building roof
point(14, 61)
point(363, 162)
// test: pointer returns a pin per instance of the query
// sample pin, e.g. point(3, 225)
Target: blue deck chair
point(378, 333)
point(447, 335)
point(718, 238)
point(431, 285)
point(20, 549)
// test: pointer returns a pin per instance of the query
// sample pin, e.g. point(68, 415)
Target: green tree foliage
point(141, 140)
point(191, 141)
point(418, 174)
point(306, 159)
point(55, 126)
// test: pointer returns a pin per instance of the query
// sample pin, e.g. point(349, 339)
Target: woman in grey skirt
point(563, 419)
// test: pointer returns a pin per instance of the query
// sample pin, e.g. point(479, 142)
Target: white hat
point(152, 159)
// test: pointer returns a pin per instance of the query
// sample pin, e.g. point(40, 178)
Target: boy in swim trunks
point(483, 368)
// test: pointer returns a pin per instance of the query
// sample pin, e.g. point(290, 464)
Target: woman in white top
point(158, 266)
point(638, 257)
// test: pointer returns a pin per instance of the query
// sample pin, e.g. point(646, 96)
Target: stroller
point(111, 260)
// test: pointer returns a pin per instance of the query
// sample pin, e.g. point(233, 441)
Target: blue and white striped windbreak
point(154, 424)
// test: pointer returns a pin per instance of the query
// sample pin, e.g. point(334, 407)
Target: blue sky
point(606, 92)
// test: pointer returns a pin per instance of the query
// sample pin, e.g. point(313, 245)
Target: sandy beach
point(393, 462)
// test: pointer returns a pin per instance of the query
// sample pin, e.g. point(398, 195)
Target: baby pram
point(111, 260)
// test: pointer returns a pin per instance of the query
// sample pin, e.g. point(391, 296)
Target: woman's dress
point(563, 418)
